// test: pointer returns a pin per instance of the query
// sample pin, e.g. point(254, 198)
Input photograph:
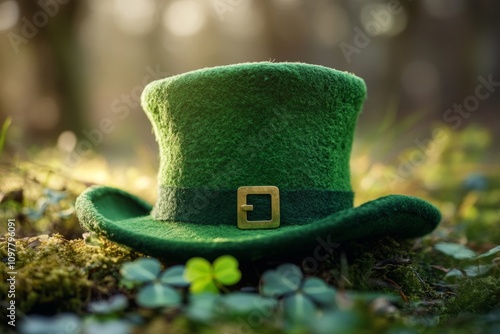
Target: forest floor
point(70, 281)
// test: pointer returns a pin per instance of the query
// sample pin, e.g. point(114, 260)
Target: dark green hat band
point(214, 207)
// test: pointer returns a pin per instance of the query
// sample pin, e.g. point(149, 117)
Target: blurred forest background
point(71, 74)
point(68, 66)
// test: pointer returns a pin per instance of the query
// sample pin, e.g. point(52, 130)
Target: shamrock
point(206, 307)
point(207, 278)
point(301, 298)
point(159, 289)
point(54, 196)
point(114, 304)
point(49, 205)
point(60, 323)
point(37, 213)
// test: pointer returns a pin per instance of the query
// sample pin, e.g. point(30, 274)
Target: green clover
point(205, 277)
point(113, 305)
point(300, 297)
point(159, 290)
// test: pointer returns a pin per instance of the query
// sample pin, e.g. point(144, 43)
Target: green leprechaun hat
point(254, 162)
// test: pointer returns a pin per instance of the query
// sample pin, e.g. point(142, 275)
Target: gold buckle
point(243, 207)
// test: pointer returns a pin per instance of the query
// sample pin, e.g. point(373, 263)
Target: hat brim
point(125, 219)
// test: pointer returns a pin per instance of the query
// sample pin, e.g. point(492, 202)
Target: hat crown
point(288, 125)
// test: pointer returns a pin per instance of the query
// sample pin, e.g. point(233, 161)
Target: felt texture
point(125, 219)
point(288, 125)
point(202, 206)
point(246, 124)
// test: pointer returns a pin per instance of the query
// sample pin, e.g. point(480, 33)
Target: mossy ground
point(58, 270)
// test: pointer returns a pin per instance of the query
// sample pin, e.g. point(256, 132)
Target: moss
point(477, 295)
point(386, 265)
point(54, 274)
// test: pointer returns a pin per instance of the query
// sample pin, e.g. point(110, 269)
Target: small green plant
point(206, 307)
point(113, 305)
point(49, 204)
point(301, 298)
point(158, 290)
point(3, 133)
point(108, 316)
point(463, 253)
point(61, 323)
point(205, 277)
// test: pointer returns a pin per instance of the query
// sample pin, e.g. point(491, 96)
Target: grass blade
point(3, 132)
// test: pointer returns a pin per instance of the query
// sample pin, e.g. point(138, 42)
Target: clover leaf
point(206, 307)
point(338, 322)
point(159, 289)
point(470, 271)
point(457, 251)
point(115, 326)
point(491, 252)
point(61, 323)
point(461, 252)
point(205, 277)
point(114, 304)
point(158, 295)
point(202, 307)
point(298, 308)
point(37, 213)
point(285, 279)
point(318, 291)
point(141, 270)
point(51, 199)
point(239, 303)
point(174, 276)
point(475, 181)
point(300, 297)
point(54, 196)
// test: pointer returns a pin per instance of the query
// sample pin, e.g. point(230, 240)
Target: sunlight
point(135, 17)
point(9, 14)
point(184, 17)
point(381, 19)
point(66, 141)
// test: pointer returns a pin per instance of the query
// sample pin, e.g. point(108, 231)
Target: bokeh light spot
point(66, 141)
point(9, 14)
point(377, 19)
point(184, 17)
point(135, 17)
